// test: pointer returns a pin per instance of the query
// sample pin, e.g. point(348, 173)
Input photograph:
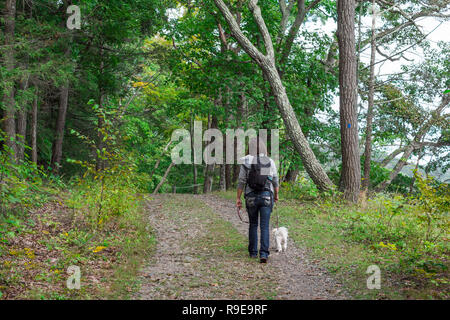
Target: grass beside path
point(37, 248)
point(347, 240)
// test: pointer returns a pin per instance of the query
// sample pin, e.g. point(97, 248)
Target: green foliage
point(23, 185)
point(387, 231)
point(434, 199)
point(303, 188)
point(109, 184)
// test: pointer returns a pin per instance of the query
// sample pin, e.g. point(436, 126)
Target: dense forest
point(91, 92)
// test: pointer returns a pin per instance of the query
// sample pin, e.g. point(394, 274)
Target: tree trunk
point(267, 65)
point(222, 181)
point(9, 125)
point(101, 121)
point(100, 163)
point(22, 125)
point(207, 185)
point(159, 160)
point(368, 146)
point(34, 113)
point(227, 168)
point(241, 114)
point(291, 175)
point(310, 162)
point(59, 132)
point(229, 118)
point(163, 178)
point(398, 167)
point(351, 167)
point(413, 180)
point(194, 166)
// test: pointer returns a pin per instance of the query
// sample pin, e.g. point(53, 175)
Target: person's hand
point(275, 198)
point(239, 203)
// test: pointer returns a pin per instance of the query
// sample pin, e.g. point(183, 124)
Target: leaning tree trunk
point(267, 64)
point(398, 167)
point(413, 180)
point(351, 166)
point(368, 146)
point(310, 162)
point(163, 178)
point(9, 125)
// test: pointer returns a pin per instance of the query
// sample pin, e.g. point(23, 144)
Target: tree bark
point(241, 114)
point(59, 132)
point(291, 175)
point(222, 181)
point(101, 121)
point(34, 115)
point(194, 166)
point(22, 125)
point(413, 180)
point(351, 167)
point(209, 170)
point(229, 119)
point(99, 165)
point(9, 125)
point(368, 145)
point(267, 64)
point(159, 160)
point(391, 156)
point(163, 178)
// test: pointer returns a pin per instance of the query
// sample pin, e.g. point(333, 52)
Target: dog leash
point(239, 214)
point(276, 211)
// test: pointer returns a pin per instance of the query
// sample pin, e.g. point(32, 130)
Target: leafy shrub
point(434, 199)
point(22, 183)
point(302, 188)
point(109, 189)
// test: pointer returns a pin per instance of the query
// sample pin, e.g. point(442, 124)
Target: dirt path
point(202, 254)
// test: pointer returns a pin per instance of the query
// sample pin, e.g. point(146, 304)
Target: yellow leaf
point(98, 249)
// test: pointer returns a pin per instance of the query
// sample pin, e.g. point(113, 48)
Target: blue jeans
point(259, 204)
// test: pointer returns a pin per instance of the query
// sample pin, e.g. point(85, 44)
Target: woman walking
point(258, 180)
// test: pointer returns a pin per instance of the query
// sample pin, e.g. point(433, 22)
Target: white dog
point(281, 238)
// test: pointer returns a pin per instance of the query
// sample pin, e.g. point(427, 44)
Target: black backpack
point(256, 180)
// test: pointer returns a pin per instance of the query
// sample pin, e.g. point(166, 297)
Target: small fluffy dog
point(281, 238)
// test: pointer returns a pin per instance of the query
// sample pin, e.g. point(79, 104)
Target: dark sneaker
point(263, 260)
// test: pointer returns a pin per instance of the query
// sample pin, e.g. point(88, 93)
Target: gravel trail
point(201, 253)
